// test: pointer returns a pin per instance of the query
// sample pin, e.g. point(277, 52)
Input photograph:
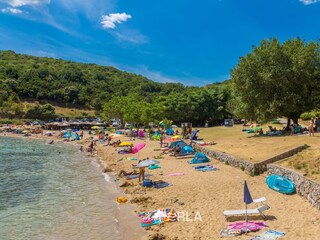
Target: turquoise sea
point(53, 192)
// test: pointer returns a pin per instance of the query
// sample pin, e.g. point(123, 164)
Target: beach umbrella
point(138, 147)
point(194, 134)
point(94, 127)
point(247, 197)
point(146, 163)
point(125, 144)
point(176, 137)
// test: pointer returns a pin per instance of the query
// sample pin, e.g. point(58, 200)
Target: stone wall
point(227, 159)
point(305, 187)
point(247, 166)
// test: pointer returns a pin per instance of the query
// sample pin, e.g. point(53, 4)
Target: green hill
point(25, 78)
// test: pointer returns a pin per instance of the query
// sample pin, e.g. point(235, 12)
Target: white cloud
point(11, 10)
point(19, 3)
point(308, 2)
point(109, 21)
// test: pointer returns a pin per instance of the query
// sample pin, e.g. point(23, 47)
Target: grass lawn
point(257, 148)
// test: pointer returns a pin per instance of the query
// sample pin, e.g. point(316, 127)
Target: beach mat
point(206, 168)
point(129, 177)
point(161, 184)
point(269, 235)
point(155, 222)
point(174, 174)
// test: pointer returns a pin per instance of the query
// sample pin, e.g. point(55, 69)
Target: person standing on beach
point(142, 171)
point(318, 124)
point(311, 129)
point(161, 140)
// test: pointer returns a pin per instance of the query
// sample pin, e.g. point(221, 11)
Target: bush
point(308, 115)
point(12, 121)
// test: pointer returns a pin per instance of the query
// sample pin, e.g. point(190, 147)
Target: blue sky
point(188, 41)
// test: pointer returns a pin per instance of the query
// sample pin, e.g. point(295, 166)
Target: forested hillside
point(104, 88)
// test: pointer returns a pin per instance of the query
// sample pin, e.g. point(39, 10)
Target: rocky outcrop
point(305, 187)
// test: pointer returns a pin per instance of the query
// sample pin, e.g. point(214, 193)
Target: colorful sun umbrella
point(147, 163)
point(176, 137)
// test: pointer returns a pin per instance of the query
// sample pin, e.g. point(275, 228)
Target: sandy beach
point(205, 194)
point(209, 193)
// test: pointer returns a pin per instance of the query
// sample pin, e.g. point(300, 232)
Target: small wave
point(107, 177)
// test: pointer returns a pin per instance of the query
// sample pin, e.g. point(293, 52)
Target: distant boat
point(280, 184)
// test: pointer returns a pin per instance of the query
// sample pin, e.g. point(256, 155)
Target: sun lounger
point(259, 200)
point(258, 210)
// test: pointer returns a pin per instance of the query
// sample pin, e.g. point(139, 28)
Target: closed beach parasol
point(138, 147)
point(146, 163)
point(247, 197)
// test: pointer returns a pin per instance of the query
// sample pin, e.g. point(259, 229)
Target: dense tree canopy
point(276, 80)
point(111, 92)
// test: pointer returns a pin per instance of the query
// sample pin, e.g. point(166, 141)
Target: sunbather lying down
point(124, 173)
point(134, 171)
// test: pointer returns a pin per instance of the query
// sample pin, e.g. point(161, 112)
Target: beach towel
point(206, 168)
point(161, 184)
point(152, 167)
point(174, 174)
point(155, 222)
point(133, 176)
point(268, 235)
point(129, 158)
point(247, 226)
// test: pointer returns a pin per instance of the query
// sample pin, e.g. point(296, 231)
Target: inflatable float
point(280, 184)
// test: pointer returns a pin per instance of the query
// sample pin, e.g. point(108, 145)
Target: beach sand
point(205, 194)
point(209, 193)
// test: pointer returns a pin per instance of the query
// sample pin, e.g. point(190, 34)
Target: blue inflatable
point(280, 184)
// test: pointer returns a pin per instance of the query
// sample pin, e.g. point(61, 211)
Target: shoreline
point(124, 213)
point(207, 193)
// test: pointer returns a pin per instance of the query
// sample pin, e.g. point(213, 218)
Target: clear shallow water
point(53, 192)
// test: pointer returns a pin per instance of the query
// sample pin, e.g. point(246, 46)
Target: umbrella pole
point(246, 214)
